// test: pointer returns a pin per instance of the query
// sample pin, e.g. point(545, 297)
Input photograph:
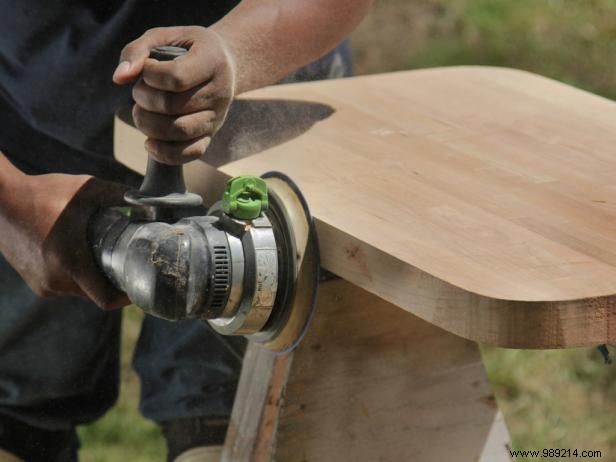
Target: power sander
point(248, 265)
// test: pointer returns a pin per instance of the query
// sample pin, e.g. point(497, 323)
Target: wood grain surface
point(369, 383)
point(480, 199)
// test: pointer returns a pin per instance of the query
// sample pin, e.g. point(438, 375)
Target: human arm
point(269, 39)
point(181, 103)
point(43, 222)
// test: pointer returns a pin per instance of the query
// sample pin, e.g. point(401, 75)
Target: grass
point(571, 40)
point(551, 399)
point(555, 399)
point(123, 435)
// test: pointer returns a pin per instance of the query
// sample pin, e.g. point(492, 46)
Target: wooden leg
point(370, 382)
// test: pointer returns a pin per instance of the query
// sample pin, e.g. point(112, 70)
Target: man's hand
point(180, 104)
point(43, 222)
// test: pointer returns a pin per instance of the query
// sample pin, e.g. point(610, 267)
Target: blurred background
point(551, 399)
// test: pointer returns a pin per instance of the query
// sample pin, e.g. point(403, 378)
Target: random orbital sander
point(248, 265)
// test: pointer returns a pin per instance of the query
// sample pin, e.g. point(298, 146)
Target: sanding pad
point(297, 238)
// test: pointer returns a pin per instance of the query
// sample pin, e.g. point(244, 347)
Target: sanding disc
point(299, 264)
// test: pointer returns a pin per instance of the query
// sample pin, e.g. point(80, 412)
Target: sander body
point(251, 276)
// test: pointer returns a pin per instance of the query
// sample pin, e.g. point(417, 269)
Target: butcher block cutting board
point(482, 200)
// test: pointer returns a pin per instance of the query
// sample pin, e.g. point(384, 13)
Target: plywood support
point(257, 404)
point(370, 383)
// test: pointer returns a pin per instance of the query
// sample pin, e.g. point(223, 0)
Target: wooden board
point(369, 383)
point(480, 199)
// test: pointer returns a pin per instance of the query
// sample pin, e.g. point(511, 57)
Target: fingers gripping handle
point(163, 188)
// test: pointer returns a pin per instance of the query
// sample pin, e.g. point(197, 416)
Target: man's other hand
point(180, 104)
point(44, 235)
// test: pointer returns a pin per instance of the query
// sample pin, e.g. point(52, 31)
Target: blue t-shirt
point(57, 57)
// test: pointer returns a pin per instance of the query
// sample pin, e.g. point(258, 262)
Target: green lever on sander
point(245, 197)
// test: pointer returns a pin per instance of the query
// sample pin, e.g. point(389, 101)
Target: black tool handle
point(163, 186)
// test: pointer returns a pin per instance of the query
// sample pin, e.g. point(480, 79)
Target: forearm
point(14, 201)
point(11, 190)
point(270, 38)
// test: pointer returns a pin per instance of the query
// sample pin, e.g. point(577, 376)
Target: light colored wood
point(479, 199)
point(497, 438)
point(254, 419)
point(201, 454)
point(514, 324)
point(372, 383)
point(8, 457)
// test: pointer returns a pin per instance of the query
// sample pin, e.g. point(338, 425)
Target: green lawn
point(555, 399)
point(123, 435)
point(570, 40)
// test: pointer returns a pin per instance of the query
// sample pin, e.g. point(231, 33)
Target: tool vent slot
point(222, 277)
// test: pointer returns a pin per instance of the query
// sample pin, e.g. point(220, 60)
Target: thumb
point(134, 54)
